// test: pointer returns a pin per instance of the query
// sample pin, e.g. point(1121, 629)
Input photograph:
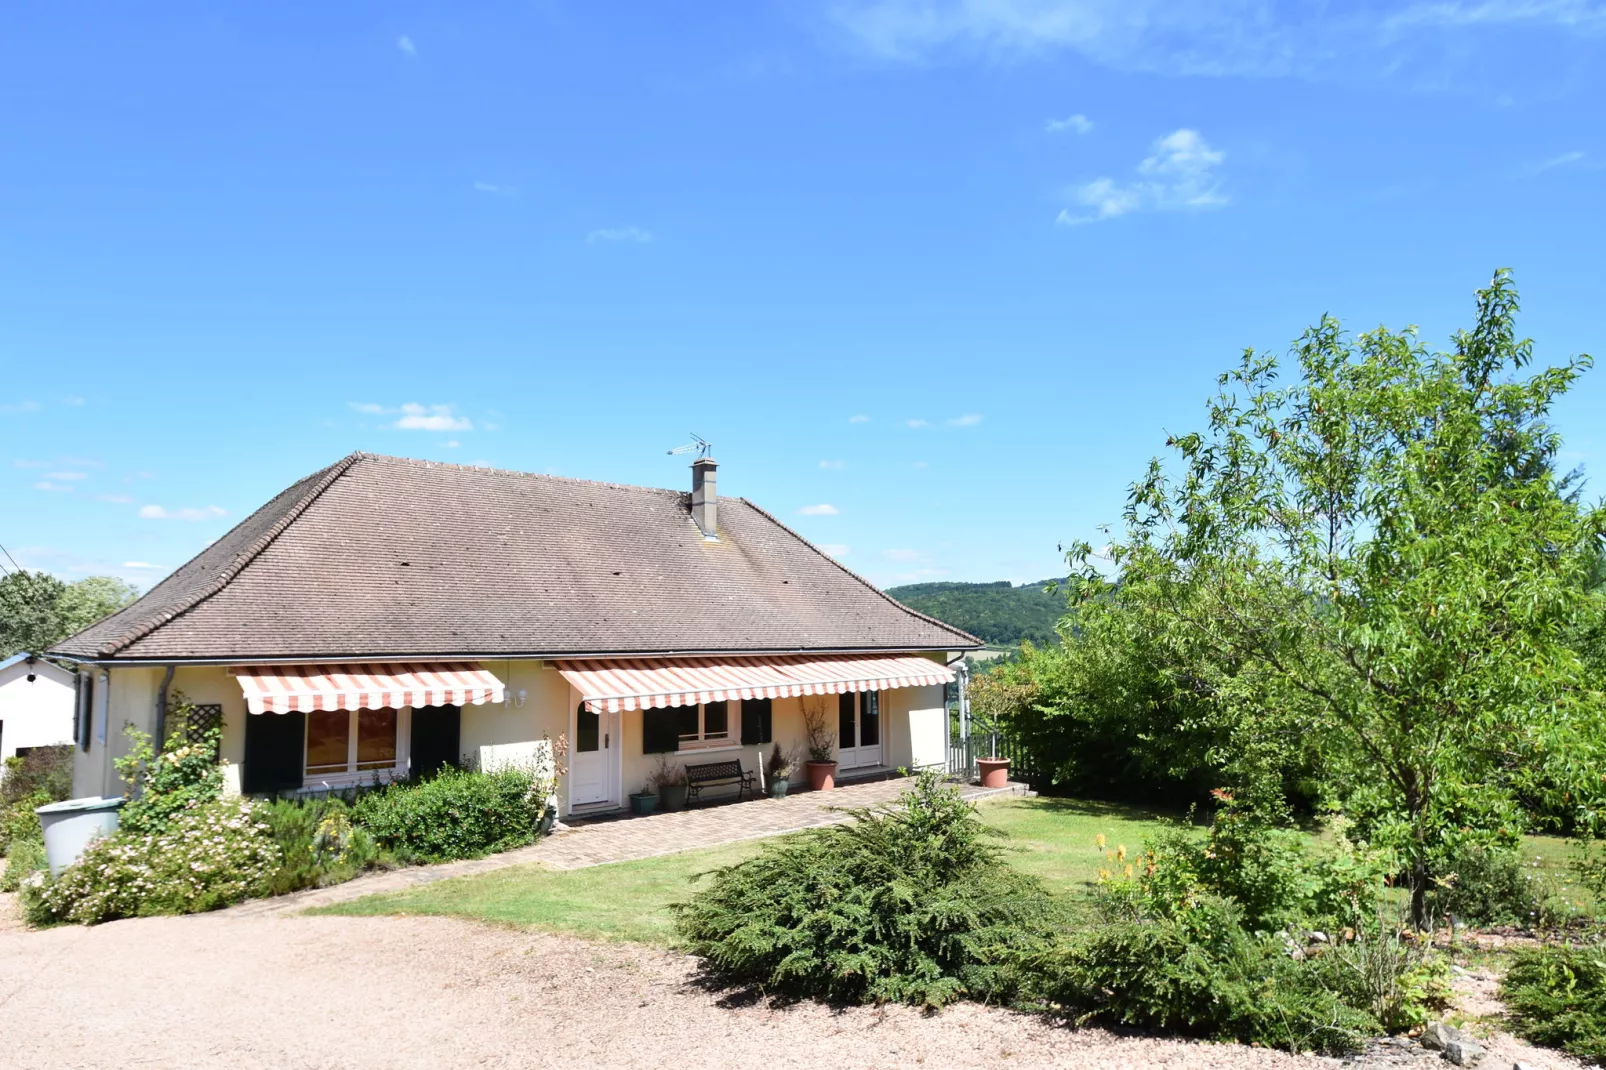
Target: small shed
point(36, 704)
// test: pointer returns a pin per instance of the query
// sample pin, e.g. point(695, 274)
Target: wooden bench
point(711, 773)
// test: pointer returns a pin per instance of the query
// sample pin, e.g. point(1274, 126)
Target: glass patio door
point(859, 729)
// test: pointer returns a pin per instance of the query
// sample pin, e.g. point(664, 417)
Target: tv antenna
point(697, 443)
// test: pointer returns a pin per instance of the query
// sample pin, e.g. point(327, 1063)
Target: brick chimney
point(705, 497)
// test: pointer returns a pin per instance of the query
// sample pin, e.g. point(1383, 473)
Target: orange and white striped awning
point(287, 688)
point(651, 683)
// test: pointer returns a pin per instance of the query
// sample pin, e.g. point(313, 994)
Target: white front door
point(593, 760)
point(859, 729)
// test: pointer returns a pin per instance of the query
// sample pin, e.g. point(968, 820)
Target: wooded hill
point(999, 613)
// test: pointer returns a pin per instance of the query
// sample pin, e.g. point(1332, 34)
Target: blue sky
point(935, 277)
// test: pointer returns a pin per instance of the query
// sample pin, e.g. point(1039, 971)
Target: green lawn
point(1052, 839)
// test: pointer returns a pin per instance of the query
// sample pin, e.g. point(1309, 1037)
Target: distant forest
point(998, 613)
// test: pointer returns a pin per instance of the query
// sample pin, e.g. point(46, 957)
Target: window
point(349, 742)
point(705, 725)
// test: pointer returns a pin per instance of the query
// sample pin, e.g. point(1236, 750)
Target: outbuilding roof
point(378, 556)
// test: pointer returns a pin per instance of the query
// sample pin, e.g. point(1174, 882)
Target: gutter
point(569, 655)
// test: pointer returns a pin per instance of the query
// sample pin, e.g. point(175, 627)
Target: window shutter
point(436, 732)
point(757, 721)
point(274, 745)
point(660, 731)
point(88, 711)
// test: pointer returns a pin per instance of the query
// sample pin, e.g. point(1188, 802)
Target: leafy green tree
point(37, 610)
point(1387, 538)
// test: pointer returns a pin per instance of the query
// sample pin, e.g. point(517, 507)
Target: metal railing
point(962, 755)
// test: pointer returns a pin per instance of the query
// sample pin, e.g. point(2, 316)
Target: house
point(385, 615)
point(36, 705)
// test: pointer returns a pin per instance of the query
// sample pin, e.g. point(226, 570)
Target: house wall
point(35, 713)
point(122, 697)
point(914, 729)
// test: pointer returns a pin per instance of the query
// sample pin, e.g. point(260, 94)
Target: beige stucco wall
point(914, 728)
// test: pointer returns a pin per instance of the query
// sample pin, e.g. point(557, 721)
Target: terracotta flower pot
point(994, 772)
point(822, 775)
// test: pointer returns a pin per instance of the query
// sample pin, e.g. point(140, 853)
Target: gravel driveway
point(286, 991)
point(302, 992)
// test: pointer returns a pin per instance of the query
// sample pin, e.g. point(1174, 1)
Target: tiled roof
point(378, 556)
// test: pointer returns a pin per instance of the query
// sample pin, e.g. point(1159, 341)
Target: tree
point(1388, 539)
point(37, 610)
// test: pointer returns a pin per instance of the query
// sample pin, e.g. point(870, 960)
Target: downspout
point(161, 709)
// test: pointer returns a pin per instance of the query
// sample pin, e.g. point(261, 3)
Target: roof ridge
point(907, 609)
point(241, 560)
point(424, 462)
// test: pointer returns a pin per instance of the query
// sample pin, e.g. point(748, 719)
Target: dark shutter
point(274, 745)
point(757, 722)
point(437, 731)
point(88, 713)
point(77, 706)
point(660, 731)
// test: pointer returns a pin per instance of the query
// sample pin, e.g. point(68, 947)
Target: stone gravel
point(329, 992)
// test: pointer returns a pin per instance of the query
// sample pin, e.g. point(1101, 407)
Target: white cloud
point(66, 475)
point(405, 45)
point(920, 464)
point(916, 423)
point(970, 419)
point(823, 509)
point(20, 406)
point(72, 399)
point(45, 484)
point(452, 444)
point(496, 188)
point(835, 549)
point(415, 417)
point(1205, 37)
point(859, 419)
point(1556, 161)
point(1076, 124)
point(1178, 173)
point(904, 555)
point(619, 234)
point(156, 512)
point(431, 418)
point(835, 466)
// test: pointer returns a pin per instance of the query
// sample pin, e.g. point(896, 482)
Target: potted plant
point(670, 780)
point(821, 745)
point(778, 773)
point(994, 771)
point(644, 801)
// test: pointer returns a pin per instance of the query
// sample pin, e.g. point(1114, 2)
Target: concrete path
point(624, 839)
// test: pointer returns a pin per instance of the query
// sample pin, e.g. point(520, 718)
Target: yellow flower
point(1120, 853)
point(1099, 839)
point(1128, 871)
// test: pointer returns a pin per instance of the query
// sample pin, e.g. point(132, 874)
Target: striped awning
point(651, 683)
point(287, 688)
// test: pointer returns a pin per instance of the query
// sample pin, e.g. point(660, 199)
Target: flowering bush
point(160, 786)
point(210, 855)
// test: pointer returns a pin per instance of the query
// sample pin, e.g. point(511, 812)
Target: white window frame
point(353, 775)
point(731, 740)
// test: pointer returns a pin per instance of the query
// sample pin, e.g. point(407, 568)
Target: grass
point(1048, 838)
point(1054, 840)
point(621, 901)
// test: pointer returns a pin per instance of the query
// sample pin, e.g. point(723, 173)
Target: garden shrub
point(909, 903)
point(454, 814)
point(1199, 972)
point(1556, 996)
point(209, 855)
point(319, 844)
point(1490, 885)
point(161, 786)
